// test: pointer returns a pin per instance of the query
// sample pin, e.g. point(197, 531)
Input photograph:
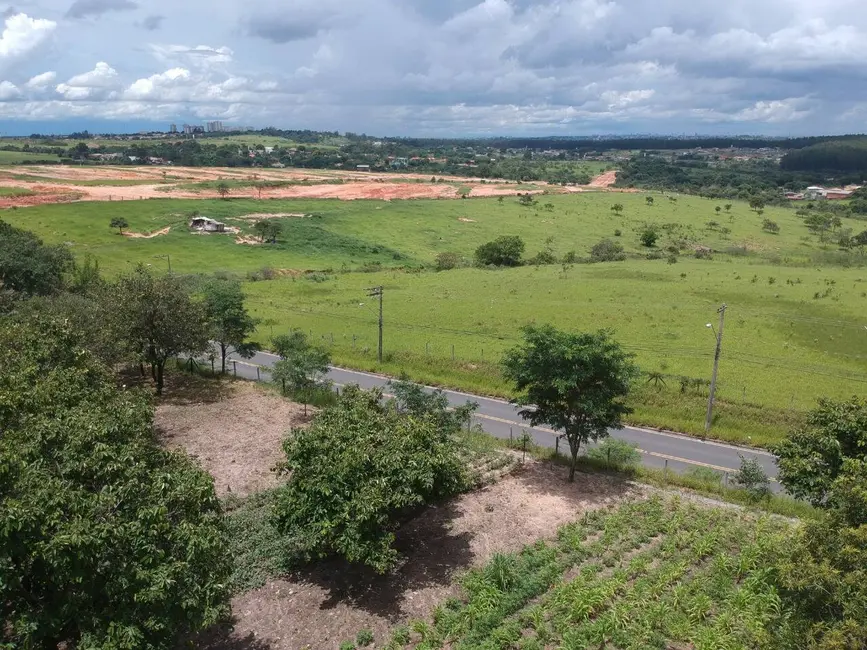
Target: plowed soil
point(319, 184)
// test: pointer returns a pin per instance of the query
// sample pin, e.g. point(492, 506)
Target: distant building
point(173, 128)
point(206, 224)
point(214, 127)
point(362, 168)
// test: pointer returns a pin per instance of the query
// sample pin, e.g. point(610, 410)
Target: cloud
point(87, 8)
point(200, 56)
point(41, 80)
point(95, 84)
point(155, 86)
point(23, 34)
point(153, 23)
point(303, 20)
point(8, 91)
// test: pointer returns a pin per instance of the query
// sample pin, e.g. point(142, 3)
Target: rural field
point(794, 331)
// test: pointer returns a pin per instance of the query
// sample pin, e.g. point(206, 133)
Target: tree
point(649, 237)
point(231, 323)
point(757, 203)
point(527, 200)
point(28, 266)
point(503, 251)
point(648, 200)
point(268, 230)
point(811, 458)
point(607, 251)
point(718, 209)
point(223, 189)
point(158, 319)
point(574, 382)
point(752, 477)
point(617, 208)
point(357, 470)
point(824, 575)
point(771, 226)
point(302, 366)
point(414, 399)
point(107, 541)
point(120, 223)
point(728, 207)
point(447, 261)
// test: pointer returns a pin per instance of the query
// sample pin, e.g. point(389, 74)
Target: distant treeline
point(728, 181)
point(838, 155)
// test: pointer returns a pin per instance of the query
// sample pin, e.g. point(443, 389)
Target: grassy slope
point(14, 157)
point(783, 347)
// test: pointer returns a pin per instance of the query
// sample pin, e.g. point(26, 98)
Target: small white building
point(206, 224)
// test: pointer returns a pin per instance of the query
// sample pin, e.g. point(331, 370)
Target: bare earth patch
point(234, 430)
point(332, 601)
point(148, 235)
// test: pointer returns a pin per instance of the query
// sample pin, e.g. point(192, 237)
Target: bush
point(752, 477)
point(542, 258)
point(607, 251)
point(648, 238)
point(655, 255)
point(770, 226)
point(672, 259)
point(357, 471)
point(570, 258)
point(617, 232)
point(447, 261)
point(615, 454)
point(364, 638)
point(503, 251)
point(106, 540)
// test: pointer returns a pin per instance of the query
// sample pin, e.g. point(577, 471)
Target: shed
point(206, 224)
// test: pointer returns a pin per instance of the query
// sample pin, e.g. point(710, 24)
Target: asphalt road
point(660, 449)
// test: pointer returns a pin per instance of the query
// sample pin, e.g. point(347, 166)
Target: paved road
point(499, 418)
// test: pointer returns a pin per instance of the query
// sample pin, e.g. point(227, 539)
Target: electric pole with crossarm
point(377, 292)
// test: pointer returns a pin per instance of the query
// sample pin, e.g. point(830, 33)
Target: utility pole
point(722, 319)
point(377, 292)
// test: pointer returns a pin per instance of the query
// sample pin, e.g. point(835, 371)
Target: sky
point(437, 67)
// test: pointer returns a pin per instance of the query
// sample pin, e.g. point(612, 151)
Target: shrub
point(752, 477)
point(503, 251)
point(672, 259)
point(648, 238)
point(770, 226)
point(447, 261)
point(655, 255)
point(543, 257)
point(703, 253)
point(617, 232)
point(615, 454)
point(570, 258)
point(607, 251)
point(386, 465)
point(364, 638)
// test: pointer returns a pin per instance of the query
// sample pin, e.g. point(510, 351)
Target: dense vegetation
point(848, 157)
point(106, 541)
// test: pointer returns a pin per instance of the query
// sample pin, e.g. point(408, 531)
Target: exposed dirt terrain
point(234, 429)
point(173, 182)
point(331, 602)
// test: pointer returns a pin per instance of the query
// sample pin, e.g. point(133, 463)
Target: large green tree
point(503, 251)
point(357, 470)
point(28, 266)
point(576, 383)
point(157, 318)
point(106, 541)
point(231, 323)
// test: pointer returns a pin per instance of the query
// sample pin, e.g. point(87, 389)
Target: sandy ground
point(332, 601)
point(354, 185)
point(148, 235)
point(234, 430)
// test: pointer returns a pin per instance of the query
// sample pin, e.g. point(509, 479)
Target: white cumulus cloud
point(21, 34)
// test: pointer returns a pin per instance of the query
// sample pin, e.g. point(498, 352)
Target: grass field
point(14, 191)
point(795, 327)
point(652, 574)
point(17, 157)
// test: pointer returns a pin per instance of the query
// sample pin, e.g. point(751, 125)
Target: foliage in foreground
point(357, 471)
point(651, 574)
point(106, 541)
point(825, 575)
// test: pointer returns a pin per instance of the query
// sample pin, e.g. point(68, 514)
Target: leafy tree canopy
point(503, 251)
point(231, 323)
point(576, 383)
point(28, 266)
point(106, 541)
point(357, 471)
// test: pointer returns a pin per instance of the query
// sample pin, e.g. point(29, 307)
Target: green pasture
point(18, 157)
point(797, 306)
point(11, 192)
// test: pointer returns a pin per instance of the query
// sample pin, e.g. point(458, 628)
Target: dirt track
point(69, 184)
